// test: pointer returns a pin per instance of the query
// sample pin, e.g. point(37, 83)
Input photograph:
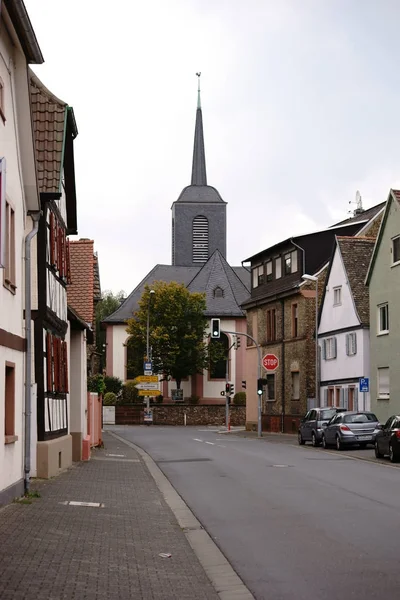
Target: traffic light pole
point(259, 428)
point(227, 408)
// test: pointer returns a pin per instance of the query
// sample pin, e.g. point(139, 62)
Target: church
point(199, 262)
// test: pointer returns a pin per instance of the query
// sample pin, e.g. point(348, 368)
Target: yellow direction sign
point(149, 392)
point(147, 378)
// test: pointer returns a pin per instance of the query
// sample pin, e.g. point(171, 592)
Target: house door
point(337, 396)
point(331, 392)
point(350, 398)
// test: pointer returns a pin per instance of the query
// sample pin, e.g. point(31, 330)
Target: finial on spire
point(198, 89)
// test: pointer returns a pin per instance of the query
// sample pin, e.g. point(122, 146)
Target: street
point(294, 522)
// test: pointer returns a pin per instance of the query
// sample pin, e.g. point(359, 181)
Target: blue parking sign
point(364, 384)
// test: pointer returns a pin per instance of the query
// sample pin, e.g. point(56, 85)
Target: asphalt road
point(295, 522)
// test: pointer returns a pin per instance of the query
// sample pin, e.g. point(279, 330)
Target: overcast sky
point(300, 99)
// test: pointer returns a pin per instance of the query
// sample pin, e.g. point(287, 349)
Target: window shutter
point(2, 212)
point(324, 349)
point(52, 240)
point(341, 397)
point(326, 396)
point(334, 348)
point(49, 361)
point(346, 398)
point(356, 399)
point(65, 365)
point(56, 364)
point(68, 263)
point(355, 343)
point(347, 344)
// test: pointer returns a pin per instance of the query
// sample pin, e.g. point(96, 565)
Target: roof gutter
point(23, 27)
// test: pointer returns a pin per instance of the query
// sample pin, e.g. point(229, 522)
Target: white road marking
point(211, 443)
point(197, 440)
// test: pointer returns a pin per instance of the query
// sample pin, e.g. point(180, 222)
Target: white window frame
point(337, 295)
point(351, 344)
point(278, 267)
point(330, 348)
point(382, 374)
point(381, 308)
point(395, 262)
point(268, 270)
point(294, 261)
point(257, 272)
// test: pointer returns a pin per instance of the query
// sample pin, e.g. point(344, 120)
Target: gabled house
point(383, 281)
point(19, 206)
point(84, 292)
point(54, 132)
point(281, 318)
point(343, 331)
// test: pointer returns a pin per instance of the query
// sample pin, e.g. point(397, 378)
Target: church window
point(218, 368)
point(218, 292)
point(200, 239)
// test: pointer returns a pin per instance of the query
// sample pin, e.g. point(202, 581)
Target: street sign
point(149, 393)
point(270, 362)
point(147, 378)
point(364, 384)
point(148, 373)
point(147, 386)
point(148, 415)
point(147, 366)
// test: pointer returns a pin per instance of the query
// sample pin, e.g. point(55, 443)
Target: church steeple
point(199, 174)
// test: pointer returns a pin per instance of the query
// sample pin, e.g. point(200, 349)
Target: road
point(295, 522)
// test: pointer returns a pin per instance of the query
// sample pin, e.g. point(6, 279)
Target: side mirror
point(324, 424)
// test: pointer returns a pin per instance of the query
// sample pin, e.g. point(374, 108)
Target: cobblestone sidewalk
point(52, 550)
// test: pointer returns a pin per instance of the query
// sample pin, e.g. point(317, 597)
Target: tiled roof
point(96, 275)
point(81, 292)
point(356, 254)
point(49, 119)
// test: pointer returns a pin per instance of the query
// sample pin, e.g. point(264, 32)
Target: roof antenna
point(198, 90)
point(358, 202)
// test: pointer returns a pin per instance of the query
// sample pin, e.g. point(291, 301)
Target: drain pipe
point(28, 360)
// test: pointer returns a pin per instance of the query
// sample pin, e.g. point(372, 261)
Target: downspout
point(283, 367)
point(28, 336)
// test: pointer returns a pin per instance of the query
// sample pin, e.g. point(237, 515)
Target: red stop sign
point(270, 362)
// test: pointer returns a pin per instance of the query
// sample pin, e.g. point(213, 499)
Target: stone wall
point(172, 414)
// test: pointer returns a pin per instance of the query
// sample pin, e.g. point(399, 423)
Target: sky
point(300, 98)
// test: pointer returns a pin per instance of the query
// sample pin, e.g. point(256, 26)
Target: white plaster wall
point(78, 389)
point(212, 389)
point(120, 338)
point(343, 366)
point(344, 315)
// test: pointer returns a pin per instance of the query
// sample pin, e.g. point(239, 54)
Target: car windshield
point(360, 418)
point(326, 415)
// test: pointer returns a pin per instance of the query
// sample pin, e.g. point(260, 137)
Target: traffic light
point(243, 384)
point(237, 344)
point(260, 383)
point(231, 389)
point(227, 389)
point(215, 328)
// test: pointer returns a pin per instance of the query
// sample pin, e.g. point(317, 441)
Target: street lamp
point(315, 279)
point(148, 339)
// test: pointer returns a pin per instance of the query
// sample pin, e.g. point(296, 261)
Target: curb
point(224, 579)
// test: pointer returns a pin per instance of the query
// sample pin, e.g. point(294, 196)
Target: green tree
point(177, 331)
point(108, 304)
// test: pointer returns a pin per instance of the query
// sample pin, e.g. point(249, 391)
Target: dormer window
point(258, 276)
point(290, 262)
point(218, 292)
point(269, 270)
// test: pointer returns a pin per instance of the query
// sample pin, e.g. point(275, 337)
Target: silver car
point(311, 426)
point(349, 429)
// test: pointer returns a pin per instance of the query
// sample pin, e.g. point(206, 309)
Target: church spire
point(199, 175)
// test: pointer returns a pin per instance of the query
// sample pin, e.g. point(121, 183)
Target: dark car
point(349, 429)
point(387, 440)
point(310, 429)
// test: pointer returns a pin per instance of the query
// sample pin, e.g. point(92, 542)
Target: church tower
point(199, 214)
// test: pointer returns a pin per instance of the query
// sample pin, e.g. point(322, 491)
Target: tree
point(177, 328)
point(108, 304)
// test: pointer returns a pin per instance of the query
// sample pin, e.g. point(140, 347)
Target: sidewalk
point(52, 550)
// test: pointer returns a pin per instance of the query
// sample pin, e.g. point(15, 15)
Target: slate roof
point(200, 194)
point(84, 289)
point(199, 174)
point(50, 115)
point(365, 215)
point(216, 273)
point(356, 254)
point(235, 281)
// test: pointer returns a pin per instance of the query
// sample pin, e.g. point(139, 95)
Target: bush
point(239, 399)
point(113, 384)
point(110, 399)
point(194, 399)
point(130, 393)
point(95, 384)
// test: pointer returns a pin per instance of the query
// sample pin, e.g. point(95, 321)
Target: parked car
point(387, 439)
point(310, 429)
point(349, 429)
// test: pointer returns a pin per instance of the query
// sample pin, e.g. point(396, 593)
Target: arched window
point(200, 239)
point(218, 368)
point(218, 292)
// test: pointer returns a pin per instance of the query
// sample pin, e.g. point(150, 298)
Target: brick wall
point(174, 414)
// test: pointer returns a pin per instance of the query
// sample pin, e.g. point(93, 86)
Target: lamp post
point(315, 279)
point(148, 339)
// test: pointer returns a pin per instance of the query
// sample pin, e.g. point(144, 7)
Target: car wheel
point(378, 453)
point(300, 439)
point(314, 440)
point(394, 458)
point(339, 445)
point(324, 444)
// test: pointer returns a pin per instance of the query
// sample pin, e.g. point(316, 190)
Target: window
point(218, 368)
point(56, 364)
point(329, 348)
point(200, 239)
point(396, 249)
point(290, 262)
point(383, 383)
point(338, 396)
point(9, 416)
point(294, 261)
point(218, 292)
point(271, 325)
point(258, 276)
point(383, 319)
point(295, 320)
point(351, 344)
point(296, 386)
point(269, 270)
point(337, 296)
point(331, 392)
point(2, 100)
point(9, 266)
point(58, 255)
point(271, 387)
point(278, 267)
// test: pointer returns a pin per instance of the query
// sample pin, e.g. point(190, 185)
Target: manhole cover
point(184, 460)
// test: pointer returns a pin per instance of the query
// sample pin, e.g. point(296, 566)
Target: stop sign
point(270, 362)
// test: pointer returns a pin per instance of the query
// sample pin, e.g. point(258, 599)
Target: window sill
point(10, 439)
point(380, 333)
point(396, 264)
point(11, 287)
point(383, 399)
